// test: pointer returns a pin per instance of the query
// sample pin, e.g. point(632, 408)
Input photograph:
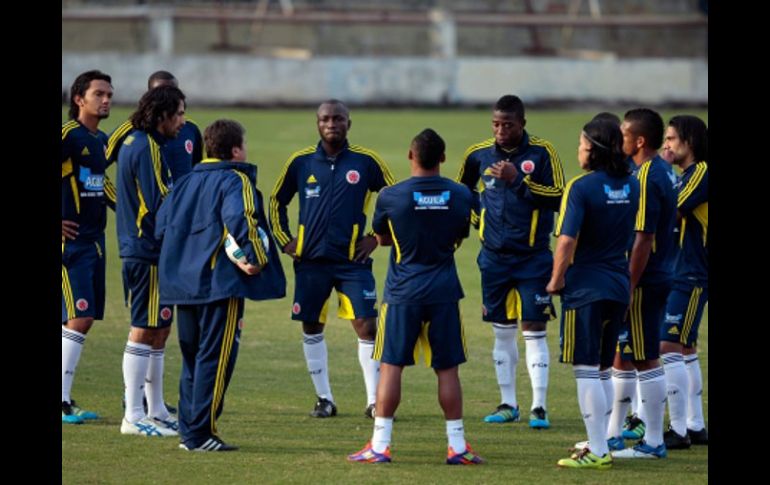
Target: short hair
point(334, 101)
point(510, 104)
point(606, 148)
point(156, 104)
point(607, 116)
point(647, 123)
point(221, 137)
point(81, 85)
point(694, 132)
point(159, 76)
point(428, 146)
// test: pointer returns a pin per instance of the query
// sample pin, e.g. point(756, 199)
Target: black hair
point(647, 123)
point(428, 147)
point(221, 137)
point(81, 85)
point(607, 116)
point(160, 76)
point(606, 148)
point(155, 105)
point(694, 132)
point(510, 104)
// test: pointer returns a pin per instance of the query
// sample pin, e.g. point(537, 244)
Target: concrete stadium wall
point(244, 79)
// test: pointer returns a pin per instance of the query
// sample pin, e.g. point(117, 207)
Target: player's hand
point(555, 286)
point(505, 170)
point(69, 230)
point(364, 248)
point(249, 268)
point(291, 248)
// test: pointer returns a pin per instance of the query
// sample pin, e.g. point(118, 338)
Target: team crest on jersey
point(528, 166)
point(352, 176)
point(188, 146)
point(617, 196)
point(295, 309)
point(165, 313)
point(81, 304)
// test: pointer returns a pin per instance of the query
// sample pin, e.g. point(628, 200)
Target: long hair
point(606, 148)
point(694, 132)
point(81, 85)
point(156, 105)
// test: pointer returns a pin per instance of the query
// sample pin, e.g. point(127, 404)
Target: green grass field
point(270, 395)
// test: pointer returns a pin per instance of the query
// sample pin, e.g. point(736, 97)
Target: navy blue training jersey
point(427, 217)
point(692, 267)
point(657, 215)
point(599, 211)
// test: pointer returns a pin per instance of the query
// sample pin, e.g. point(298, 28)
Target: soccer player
point(591, 274)
point(181, 153)
point(686, 146)
point(144, 180)
point(218, 197)
point(424, 218)
point(651, 264)
point(84, 217)
point(522, 182)
point(335, 181)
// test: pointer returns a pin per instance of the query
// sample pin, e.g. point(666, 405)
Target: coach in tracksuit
point(218, 197)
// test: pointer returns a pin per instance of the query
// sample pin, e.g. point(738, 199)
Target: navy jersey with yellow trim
point(217, 197)
point(143, 181)
point(515, 217)
point(83, 181)
point(657, 215)
point(426, 217)
point(334, 194)
point(599, 211)
point(692, 267)
point(181, 153)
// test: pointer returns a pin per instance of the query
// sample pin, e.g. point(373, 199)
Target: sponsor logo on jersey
point(352, 176)
point(431, 201)
point(165, 313)
point(669, 318)
point(81, 304)
point(618, 196)
point(314, 192)
point(369, 295)
point(93, 182)
point(527, 166)
point(188, 146)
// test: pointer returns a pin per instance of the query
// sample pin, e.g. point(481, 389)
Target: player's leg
point(696, 425)
point(188, 333)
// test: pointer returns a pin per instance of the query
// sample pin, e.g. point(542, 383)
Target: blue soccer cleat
point(503, 414)
point(538, 419)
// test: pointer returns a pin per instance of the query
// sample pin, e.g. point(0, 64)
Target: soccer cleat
point(698, 437)
point(67, 414)
point(211, 444)
point(145, 427)
point(324, 409)
point(82, 413)
point(634, 428)
point(369, 411)
point(467, 457)
point(642, 450)
point(585, 459)
point(613, 444)
point(675, 441)
point(171, 422)
point(368, 455)
point(503, 414)
point(538, 419)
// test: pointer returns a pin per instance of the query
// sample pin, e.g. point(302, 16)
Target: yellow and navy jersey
point(334, 197)
point(143, 180)
point(515, 217)
point(599, 211)
point(426, 217)
point(85, 189)
point(692, 267)
point(657, 215)
point(180, 153)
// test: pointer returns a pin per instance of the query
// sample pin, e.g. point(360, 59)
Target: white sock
point(71, 347)
point(370, 368)
point(136, 360)
point(156, 408)
point(652, 394)
point(676, 388)
point(639, 409)
point(592, 406)
point(537, 364)
point(605, 376)
point(636, 409)
point(317, 358)
point(694, 393)
point(624, 390)
point(505, 355)
point(455, 432)
point(383, 429)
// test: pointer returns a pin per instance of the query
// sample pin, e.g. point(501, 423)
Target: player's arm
point(283, 192)
point(695, 190)
point(567, 228)
point(239, 215)
point(380, 222)
point(150, 186)
point(647, 218)
point(116, 140)
point(69, 229)
point(110, 192)
point(469, 176)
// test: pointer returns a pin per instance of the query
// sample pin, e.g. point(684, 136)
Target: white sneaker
point(170, 422)
point(145, 427)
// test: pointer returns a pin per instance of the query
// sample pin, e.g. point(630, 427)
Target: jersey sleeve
point(283, 192)
point(239, 214)
point(469, 176)
point(571, 213)
point(379, 174)
point(116, 140)
point(695, 190)
point(380, 218)
point(648, 214)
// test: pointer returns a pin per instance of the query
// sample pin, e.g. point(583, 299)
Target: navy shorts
point(589, 334)
point(354, 282)
point(513, 287)
point(639, 337)
point(684, 310)
point(82, 280)
point(140, 288)
point(403, 329)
